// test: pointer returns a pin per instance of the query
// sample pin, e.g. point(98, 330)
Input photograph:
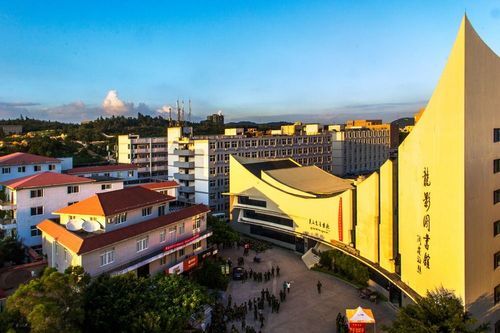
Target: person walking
point(319, 285)
point(288, 285)
point(272, 271)
point(277, 270)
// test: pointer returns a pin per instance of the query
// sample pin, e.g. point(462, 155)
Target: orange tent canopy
point(360, 315)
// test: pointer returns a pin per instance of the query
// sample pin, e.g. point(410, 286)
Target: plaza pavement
point(304, 310)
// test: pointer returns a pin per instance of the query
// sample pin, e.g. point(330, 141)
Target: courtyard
point(304, 309)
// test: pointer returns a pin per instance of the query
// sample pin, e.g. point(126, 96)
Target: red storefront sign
point(341, 231)
point(180, 243)
point(357, 327)
point(190, 263)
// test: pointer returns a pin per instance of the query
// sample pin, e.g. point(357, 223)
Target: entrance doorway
point(143, 271)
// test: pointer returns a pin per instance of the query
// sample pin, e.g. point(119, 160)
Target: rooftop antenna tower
point(189, 113)
point(178, 112)
point(182, 112)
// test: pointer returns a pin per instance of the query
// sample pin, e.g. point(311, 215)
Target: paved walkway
point(304, 310)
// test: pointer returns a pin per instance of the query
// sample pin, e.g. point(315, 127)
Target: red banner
point(341, 231)
point(357, 327)
point(173, 246)
point(190, 263)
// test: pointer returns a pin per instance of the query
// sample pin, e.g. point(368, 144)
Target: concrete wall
point(367, 222)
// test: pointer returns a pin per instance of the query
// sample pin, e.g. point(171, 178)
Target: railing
point(184, 176)
point(185, 165)
point(7, 205)
point(184, 152)
point(186, 189)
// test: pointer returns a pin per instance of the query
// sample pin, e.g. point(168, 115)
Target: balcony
point(184, 152)
point(184, 165)
point(186, 189)
point(184, 176)
point(7, 205)
point(8, 224)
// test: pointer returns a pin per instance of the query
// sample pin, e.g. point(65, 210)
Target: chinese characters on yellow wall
point(423, 242)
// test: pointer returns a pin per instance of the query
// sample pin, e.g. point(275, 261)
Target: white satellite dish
point(91, 226)
point(74, 225)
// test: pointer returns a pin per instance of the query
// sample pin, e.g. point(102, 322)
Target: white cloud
point(114, 106)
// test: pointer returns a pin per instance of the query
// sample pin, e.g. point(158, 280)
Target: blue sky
point(260, 60)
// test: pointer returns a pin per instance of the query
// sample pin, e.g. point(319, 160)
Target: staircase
point(310, 259)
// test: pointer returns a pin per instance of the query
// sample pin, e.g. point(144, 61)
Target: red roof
point(45, 179)
point(160, 185)
point(25, 158)
point(80, 242)
point(102, 168)
point(114, 202)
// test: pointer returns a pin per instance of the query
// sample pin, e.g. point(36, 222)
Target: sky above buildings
point(257, 60)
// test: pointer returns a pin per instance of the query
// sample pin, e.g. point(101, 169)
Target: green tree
point(11, 250)
point(222, 231)
point(441, 311)
point(127, 303)
point(210, 275)
point(51, 303)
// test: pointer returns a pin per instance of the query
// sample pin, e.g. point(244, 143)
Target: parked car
point(238, 273)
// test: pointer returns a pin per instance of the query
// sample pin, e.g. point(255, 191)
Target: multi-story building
point(201, 163)
point(30, 199)
point(148, 154)
point(125, 172)
point(428, 218)
point(361, 146)
point(17, 165)
point(129, 230)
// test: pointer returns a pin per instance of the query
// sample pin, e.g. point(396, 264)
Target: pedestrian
point(277, 307)
point(288, 285)
point(229, 262)
point(277, 270)
point(272, 271)
point(318, 285)
point(243, 324)
point(262, 292)
point(284, 286)
point(261, 320)
point(255, 313)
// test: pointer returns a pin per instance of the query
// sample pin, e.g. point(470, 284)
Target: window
point(197, 223)
point(251, 202)
point(65, 255)
point(268, 218)
point(5, 170)
point(181, 228)
point(105, 186)
point(37, 168)
point(497, 294)
point(496, 260)
point(107, 257)
point(21, 169)
point(36, 193)
point(496, 166)
point(181, 252)
point(496, 228)
point(197, 245)
point(119, 218)
point(131, 173)
point(163, 235)
point(35, 231)
point(36, 210)
point(71, 217)
point(496, 134)
point(161, 210)
point(147, 211)
point(142, 244)
point(52, 167)
point(73, 189)
point(496, 196)
point(163, 260)
point(72, 202)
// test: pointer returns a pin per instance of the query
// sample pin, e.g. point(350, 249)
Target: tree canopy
point(70, 302)
point(441, 311)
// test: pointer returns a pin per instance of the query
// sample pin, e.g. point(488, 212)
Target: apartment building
point(200, 164)
point(17, 165)
point(148, 154)
point(31, 199)
point(125, 172)
point(129, 230)
point(361, 146)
